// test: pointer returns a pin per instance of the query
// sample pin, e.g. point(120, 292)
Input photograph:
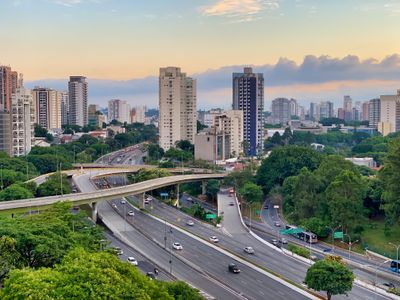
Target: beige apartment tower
point(389, 114)
point(231, 122)
point(47, 105)
point(177, 101)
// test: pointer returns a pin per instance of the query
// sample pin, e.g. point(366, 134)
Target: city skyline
point(99, 40)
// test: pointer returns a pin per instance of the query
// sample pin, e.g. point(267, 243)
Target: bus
point(395, 266)
point(304, 236)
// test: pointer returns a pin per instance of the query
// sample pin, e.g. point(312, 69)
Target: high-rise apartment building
point(138, 114)
point(325, 110)
point(374, 110)
point(47, 106)
point(212, 144)
point(78, 100)
point(177, 100)
point(364, 111)
point(119, 110)
point(64, 108)
point(314, 111)
point(348, 108)
point(248, 96)
point(5, 132)
point(22, 117)
point(390, 114)
point(281, 110)
point(294, 107)
point(231, 122)
point(8, 85)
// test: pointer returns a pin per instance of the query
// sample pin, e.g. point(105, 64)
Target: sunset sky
point(308, 49)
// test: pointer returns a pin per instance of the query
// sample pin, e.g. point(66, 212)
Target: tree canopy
point(331, 276)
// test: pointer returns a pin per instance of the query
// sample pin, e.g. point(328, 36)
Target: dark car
point(151, 275)
point(233, 268)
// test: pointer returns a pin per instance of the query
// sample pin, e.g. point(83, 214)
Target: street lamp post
point(61, 182)
point(350, 243)
point(376, 274)
point(2, 183)
point(333, 230)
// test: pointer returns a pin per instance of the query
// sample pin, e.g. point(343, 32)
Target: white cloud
point(70, 3)
point(243, 10)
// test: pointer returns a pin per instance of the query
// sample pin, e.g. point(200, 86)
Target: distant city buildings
point(78, 100)
point(177, 101)
point(64, 108)
point(281, 110)
point(119, 110)
point(348, 108)
point(248, 96)
point(138, 114)
point(8, 85)
point(374, 112)
point(95, 116)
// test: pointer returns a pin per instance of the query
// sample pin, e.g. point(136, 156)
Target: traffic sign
point(338, 235)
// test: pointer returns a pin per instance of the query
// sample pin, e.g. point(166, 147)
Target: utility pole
point(61, 182)
point(2, 183)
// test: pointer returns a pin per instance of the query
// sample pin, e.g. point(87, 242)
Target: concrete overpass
point(103, 195)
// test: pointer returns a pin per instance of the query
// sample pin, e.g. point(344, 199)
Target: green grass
point(257, 206)
point(374, 236)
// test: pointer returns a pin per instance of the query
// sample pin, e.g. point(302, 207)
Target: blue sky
point(120, 45)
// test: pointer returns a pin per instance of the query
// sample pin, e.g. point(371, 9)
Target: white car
point(249, 250)
point(214, 239)
point(284, 241)
point(123, 202)
point(274, 241)
point(189, 223)
point(177, 246)
point(131, 213)
point(132, 260)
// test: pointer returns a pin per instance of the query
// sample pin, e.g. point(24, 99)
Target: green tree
point(212, 188)
point(390, 177)
point(147, 174)
point(284, 162)
point(345, 199)
point(53, 185)
point(155, 152)
point(178, 154)
point(200, 126)
point(331, 166)
point(251, 192)
point(185, 145)
point(8, 177)
point(181, 291)
point(330, 276)
point(15, 192)
point(9, 256)
point(239, 178)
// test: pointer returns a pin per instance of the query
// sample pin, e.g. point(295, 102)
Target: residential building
point(374, 112)
point(64, 108)
point(5, 132)
point(177, 100)
point(47, 107)
point(390, 114)
point(78, 100)
point(314, 112)
point(341, 113)
point(95, 116)
point(294, 107)
point(231, 122)
point(248, 96)
point(281, 111)
point(348, 108)
point(212, 144)
point(325, 110)
point(119, 110)
point(364, 111)
point(8, 85)
point(138, 114)
point(22, 117)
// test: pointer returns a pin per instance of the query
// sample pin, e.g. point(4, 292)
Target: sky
point(310, 50)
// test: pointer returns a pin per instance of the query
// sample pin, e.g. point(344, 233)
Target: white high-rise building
point(248, 96)
point(47, 105)
point(390, 114)
point(177, 100)
point(119, 110)
point(78, 100)
point(231, 122)
point(22, 117)
point(138, 114)
point(281, 111)
point(325, 110)
point(374, 112)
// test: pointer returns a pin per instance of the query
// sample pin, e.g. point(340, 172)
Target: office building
point(281, 111)
point(348, 108)
point(47, 107)
point(341, 113)
point(390, 114)
point(95, 116)
point(78, 100)
point(325, 110)
point(248, 96)
point(22, 117)
point(374, 111)
point(314, 111)
point(177, 100)
point(294, 107)
point(119, 110)
point(138, 114)
point(231, 122)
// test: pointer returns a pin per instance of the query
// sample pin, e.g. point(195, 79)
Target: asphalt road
point(234, 237)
